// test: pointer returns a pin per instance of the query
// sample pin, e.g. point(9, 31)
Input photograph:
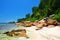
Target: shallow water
point(5, 37)
point(33, 34)
point(8, 27)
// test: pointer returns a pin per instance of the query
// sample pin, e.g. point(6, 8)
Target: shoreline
point(40, 32)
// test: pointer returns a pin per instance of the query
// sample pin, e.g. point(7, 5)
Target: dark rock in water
point(17, 33)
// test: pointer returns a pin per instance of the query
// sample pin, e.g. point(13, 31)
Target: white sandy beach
point(33, 34)
point(44, 34)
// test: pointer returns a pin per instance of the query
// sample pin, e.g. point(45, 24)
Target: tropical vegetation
point(45, 9)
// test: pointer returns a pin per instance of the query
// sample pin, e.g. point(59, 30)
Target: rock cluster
point(40, 24)
point(25, 23)
point(17, 33)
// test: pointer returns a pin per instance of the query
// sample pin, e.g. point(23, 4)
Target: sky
point(11, 10)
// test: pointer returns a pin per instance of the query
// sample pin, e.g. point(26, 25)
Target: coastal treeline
point(45, 9)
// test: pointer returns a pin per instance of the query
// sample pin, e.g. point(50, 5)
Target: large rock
point(27, 23)
point(58, 23)
point(17, 33)
point(36, 23)
point(39, 26)
point(51, 26)
point(20, 24)
point(43, 22)
point(52, 22)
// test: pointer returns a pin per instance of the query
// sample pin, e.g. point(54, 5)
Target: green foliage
point(20, 20)
point(36, 12)
point(45, 9)
point(33, 19)
point(28, 15)
point(57, 16)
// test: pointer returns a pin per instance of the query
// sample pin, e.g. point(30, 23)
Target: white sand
point(33, 34)
point(44, 34)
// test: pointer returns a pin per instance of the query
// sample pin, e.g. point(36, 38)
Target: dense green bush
point(45, 9)
point(33, 19)
point(57, 16)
